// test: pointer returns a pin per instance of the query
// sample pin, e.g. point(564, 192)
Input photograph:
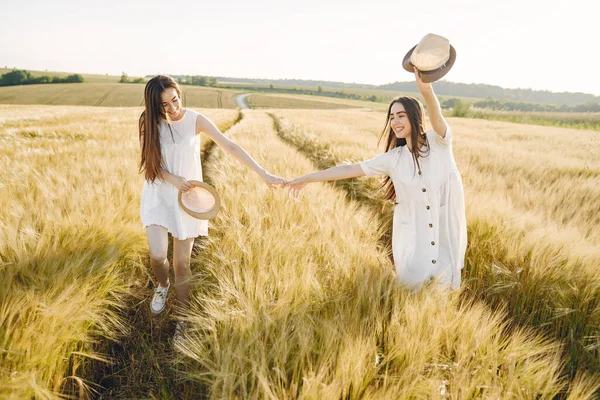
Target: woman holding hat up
point(429, 236)
point(170, 157)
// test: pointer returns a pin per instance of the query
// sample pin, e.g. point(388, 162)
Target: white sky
point(536, 44)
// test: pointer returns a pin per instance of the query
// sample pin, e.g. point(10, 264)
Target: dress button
point(431, 225)
point(428, 207)
point(424, 189)
point(433, 261)
point(433, 243)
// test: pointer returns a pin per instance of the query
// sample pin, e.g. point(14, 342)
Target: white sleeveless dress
point(180, 149)
point(429, 235)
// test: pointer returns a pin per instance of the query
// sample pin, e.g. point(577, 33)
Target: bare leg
point(158, 242)
point(182, 250)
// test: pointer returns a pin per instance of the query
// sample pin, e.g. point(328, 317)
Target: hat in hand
point(433, 56)
point(201, 201)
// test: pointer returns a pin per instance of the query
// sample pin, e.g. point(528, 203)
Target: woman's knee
point(182, 268)
point(158, 258)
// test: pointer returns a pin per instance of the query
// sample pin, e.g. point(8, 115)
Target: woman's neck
point(409, 144)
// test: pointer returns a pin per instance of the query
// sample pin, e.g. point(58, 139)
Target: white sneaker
point(159, 300)
point(180, 329)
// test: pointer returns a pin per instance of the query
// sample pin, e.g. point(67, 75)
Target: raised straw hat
point(433, 56)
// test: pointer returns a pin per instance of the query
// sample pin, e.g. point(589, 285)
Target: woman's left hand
point(422, 86)
point(273, 181)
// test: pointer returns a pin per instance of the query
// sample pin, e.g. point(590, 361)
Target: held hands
point(182, 184)
point(295, 186)
point(274, 181)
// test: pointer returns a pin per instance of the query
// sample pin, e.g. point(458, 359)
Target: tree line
point(340, 94)
point(23, 77)
point(482, 91)
point(196, 80)
point(444, 88)
point(507, 105)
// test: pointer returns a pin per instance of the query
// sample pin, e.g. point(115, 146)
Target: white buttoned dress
point(429, 235)
point(180, 152)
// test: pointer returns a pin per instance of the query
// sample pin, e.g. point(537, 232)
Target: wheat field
point(294, 298)
point(532, 204)
point(109, 95)
point(71, 247)
point(295, 101)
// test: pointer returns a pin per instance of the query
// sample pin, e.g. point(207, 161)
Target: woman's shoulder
point(436, 140)
point(394, 154)
point(195, 115)
point(395, 150)
point(191, 113)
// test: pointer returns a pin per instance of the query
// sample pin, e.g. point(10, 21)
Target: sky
point(542, 45)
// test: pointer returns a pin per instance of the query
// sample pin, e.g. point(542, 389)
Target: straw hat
point(433, 56)
point(201, 201)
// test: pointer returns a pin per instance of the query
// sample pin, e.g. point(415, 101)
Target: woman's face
point(171, 103)
point(399, 121)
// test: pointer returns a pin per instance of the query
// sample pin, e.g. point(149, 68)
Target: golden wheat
point(533, 243)
point(71, 241)
point(296, 299)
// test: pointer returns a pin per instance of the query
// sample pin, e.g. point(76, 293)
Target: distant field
point(383, 96)
point(307, 102)
point(108, 95)
point(104, 90)
point(582, 120)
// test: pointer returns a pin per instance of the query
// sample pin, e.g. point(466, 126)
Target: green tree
point(199, 80)
point(75, 78)
point(16, 77)
point(461, 108)
point(449, 103)
point(41, 79)
point(124, 78)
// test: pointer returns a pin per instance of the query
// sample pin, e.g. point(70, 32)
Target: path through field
point(240, 101)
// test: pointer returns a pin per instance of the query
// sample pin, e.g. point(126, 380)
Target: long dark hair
point(416, 116)
point(151, 160)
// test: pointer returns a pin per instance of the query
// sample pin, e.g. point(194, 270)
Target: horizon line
point(318, 80)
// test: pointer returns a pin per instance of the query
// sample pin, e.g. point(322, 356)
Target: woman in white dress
point(170, 156)
point(429, 236)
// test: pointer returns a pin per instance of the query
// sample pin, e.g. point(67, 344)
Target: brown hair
point(151, 161)
point(416, 116)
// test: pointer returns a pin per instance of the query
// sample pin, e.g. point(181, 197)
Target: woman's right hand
point(422, 86)
point(180, 183)
point(296, 185)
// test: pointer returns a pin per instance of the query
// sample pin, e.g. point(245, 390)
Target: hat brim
point(434, 75)
point(209, 214)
